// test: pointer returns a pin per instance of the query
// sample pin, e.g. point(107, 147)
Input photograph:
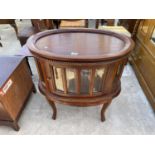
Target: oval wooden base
point(83, 102)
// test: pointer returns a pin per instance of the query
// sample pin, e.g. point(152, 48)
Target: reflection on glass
point(145, 25)
point(58, 78)
point(85, 80)
point(98, 80)
point(153, 36)
point(70, 75)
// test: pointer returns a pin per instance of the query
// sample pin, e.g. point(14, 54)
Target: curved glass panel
point(98, 81)
point(58, 78)
point(85, 81)
point(70, 76)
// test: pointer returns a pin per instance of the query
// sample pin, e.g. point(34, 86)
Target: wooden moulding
point(111, 61)
point(31, 43)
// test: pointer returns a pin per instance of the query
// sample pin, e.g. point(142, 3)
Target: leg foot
point(34, 89)
point(105, 105)
point(15, 126)
point(53, 108)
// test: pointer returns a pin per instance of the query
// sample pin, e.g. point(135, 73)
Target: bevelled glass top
point(80, 44)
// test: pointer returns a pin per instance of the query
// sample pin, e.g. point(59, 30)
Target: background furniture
point(108, 22)
point(80, 67)
point(73, 23)
point(23, 33)
point(37, 26)
point(8, 21)
point(131, 25)
point(143, 58)
point(117, 29)
point(15, 87)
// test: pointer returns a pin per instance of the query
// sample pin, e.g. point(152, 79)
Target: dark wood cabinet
point(80, 67)
point(15, 87)
point(143, 58)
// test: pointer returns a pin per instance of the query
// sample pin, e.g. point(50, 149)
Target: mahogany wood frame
point(143, 59)
point(113, 64)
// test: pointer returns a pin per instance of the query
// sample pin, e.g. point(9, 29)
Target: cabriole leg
point(105, 106)
point(15, 126)
point(34, 89)
point(53, 108)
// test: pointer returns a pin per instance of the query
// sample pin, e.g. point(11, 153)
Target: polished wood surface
point(143, 58)
point(84, 44)
point(88, 79)
point(80, 44)
point(15, 87)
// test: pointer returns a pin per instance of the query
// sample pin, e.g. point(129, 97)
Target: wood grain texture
point(143, 59)
point(96, 49)
point(80, 44)
point(12, 102)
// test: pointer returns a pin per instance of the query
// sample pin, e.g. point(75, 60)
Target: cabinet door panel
point(146, 64)
point(150, 43)
point(143, 30)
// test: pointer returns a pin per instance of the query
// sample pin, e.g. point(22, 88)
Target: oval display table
point(80, 67)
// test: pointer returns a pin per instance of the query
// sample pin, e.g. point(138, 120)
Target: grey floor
point(129, 113)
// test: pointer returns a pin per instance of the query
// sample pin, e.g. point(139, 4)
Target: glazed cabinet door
point(150, 42)
point(143, 30)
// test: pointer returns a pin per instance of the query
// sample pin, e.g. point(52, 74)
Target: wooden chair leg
point(105, 106)
point(53, 108)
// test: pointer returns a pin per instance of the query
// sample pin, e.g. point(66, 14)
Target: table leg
point(105, 106)
point(34, 89)
point(53, 108)
point(12, 124)
point(1, 43)
point(15, 126)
